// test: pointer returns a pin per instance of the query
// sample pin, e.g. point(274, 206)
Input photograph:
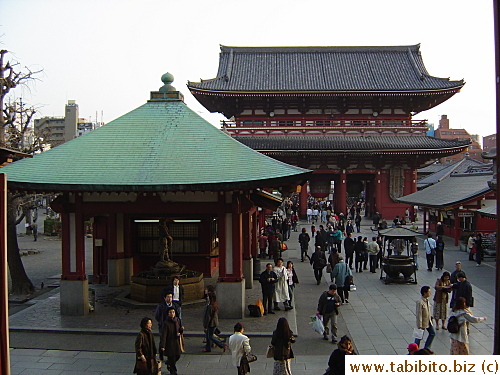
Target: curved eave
point(224, 186)
point(201, 91)
point(449, 205)
point(452, 150)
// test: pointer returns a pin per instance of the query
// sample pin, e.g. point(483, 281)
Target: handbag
point(250, 357)
point(142, 366)
point(284, 246)
point(181, 343)
point(329, 268)
point(270, 351)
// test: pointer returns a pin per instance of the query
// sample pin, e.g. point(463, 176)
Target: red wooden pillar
point(246, 235)
point(230, 285)
point(254, 225)
point(74, 285)
point(341, 193)
point(4, 293)
point(73, 240)
point(222, 243)
point(425, 219)
point(303, 202)
point(237, 246)
point(456, 228)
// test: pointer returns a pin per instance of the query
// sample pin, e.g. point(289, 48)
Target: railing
point(280, 126)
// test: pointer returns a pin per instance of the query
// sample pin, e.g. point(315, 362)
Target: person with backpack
point(318, 261)
point(328, 308)
point(458, 326)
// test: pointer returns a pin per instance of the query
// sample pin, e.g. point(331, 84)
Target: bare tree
point(16, 133)
point(10, 77)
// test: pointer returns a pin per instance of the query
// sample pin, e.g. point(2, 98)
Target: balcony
point(327, 127)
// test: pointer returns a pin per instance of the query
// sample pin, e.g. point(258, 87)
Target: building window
point(186, 237)
point(148, 238)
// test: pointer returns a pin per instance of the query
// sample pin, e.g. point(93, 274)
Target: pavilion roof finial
point(167, 79)
point(167, 91)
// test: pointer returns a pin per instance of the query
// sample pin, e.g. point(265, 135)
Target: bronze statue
point(166, 266)
point(165, 253)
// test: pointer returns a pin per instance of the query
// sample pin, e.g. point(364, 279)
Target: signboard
point(466, 214)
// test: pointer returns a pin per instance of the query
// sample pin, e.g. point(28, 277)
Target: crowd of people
point(334, 234)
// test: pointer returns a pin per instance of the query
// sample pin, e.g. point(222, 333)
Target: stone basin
point(147, 288)
point(396, 265)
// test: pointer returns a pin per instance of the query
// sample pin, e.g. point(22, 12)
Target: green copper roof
point(160, 146)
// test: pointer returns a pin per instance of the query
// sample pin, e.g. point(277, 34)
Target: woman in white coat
point(460, 340)
point(281, 286)
point(239, 345)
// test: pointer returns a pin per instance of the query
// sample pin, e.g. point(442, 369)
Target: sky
point(107, 55)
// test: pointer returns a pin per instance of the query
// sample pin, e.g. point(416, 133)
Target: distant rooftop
point(323, 69)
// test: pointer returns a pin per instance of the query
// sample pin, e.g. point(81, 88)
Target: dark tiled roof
point(432, 168)
point(459, 167)
point(322, 69)
point(450, 191)
point(348, 143)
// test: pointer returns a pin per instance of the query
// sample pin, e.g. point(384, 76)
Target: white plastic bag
point(317, 324)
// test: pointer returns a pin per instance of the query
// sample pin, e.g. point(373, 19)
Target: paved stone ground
point(380, 319)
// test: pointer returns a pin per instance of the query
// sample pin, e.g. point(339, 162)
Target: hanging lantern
point(319, 188)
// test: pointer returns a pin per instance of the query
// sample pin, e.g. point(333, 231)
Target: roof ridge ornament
point(167, 92)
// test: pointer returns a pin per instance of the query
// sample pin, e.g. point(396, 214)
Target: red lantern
point(319, 188)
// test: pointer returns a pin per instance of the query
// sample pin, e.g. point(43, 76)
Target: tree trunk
point(21, 284)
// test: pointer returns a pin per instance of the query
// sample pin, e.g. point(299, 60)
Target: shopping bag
point(181, 343)
point(317, 324)
point(270, 351)
point(260, 305)
point(418, 333)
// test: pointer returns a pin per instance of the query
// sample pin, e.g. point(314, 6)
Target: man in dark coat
point(464, 289)
point(357, 222)
point(322, 238)
point(161, 312)
point(304, 239)
point(318, 261)
point(170, 340)
point(360, 249)
point(349, 249)
point(267, 280)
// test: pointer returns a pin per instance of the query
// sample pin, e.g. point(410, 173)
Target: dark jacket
point(304, 239)
point(170, 340)
point(268, 286)
point(464, 289)
point(282, 346)
point(161, 312)
point(181, 293)
point(349, 245)
point(210, 317)
point(321, 238)
point(336, 363)
point(315, 260)
point(325, 299)
point(145, 345)
point(295, 279)
point(359, 248)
